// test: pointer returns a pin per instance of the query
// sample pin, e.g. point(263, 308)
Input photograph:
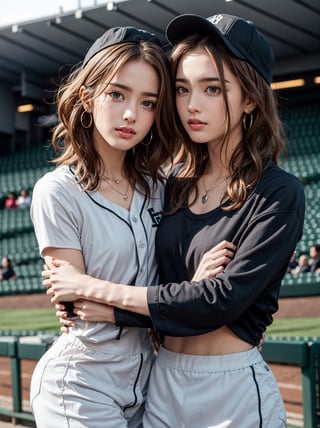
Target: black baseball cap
point(241, 37)
point(117, 35)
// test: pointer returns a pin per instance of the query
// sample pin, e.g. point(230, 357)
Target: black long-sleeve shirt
point(244, 296)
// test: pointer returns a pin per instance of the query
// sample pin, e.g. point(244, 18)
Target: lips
point(125, 132)
point(196, 124)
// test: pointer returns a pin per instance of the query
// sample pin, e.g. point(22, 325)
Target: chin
point(197, 139)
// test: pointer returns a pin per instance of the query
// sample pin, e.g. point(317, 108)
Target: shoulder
point(156, 188)
point(276, 180)
point(57, 187)
point(279, 190)
point(59, 178)
point(173, 174)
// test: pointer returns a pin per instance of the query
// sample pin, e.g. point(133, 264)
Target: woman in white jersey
point(100, 209)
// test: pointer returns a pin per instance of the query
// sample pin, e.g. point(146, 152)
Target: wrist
point(85, 287)
point(98, 290)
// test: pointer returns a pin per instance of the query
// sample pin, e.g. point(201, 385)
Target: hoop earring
point(244, 121)
point(149, 141)
point(83, 124)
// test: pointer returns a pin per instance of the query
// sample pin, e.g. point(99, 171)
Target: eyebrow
point(127, 88)
point(204, 79)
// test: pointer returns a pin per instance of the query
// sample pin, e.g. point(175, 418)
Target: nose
point(129, 115)
point(193, 105)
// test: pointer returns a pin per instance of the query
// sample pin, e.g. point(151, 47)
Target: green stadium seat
point(24, 168)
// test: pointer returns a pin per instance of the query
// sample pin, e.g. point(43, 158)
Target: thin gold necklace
point(124, 195)
point(115, 180)
point(204, 197)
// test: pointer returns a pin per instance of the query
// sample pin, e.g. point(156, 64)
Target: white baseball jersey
point(117, 244)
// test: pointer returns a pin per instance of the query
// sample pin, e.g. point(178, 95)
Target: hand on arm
point(65, 282)
point(86, 311)
point(215, 260)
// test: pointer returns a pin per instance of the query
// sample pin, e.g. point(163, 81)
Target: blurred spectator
point(11, 201)
point(303, 265)
point(293, 263)
point(6, 270)
point(24, 199)
point(314, 253)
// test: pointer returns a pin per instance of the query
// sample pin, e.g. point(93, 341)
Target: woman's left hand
point(92, 311)
point(215, 260)
point(86, 311)
point(63, 281)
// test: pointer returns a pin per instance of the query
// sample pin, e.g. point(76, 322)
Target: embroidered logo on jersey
point(155, 217)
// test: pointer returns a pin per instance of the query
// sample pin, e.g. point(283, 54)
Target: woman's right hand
point(215, 260)
point(62, 314)
point(86, 311)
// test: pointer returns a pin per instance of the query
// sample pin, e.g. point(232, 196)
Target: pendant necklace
point(124, 195)
point(205, 195)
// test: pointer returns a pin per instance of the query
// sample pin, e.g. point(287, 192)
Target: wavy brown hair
point(263, 143)
point(74, 142)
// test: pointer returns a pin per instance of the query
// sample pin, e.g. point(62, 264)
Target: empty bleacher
point(23, 169)
point(17, 238)
point(303, 132)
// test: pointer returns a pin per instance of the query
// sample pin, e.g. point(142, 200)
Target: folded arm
point(66, 283)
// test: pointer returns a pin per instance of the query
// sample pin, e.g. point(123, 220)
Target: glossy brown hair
point(76, 142)
point(261, 144)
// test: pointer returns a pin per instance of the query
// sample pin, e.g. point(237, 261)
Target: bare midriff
point(218, 342)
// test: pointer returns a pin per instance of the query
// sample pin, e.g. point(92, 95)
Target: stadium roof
point(34, 52)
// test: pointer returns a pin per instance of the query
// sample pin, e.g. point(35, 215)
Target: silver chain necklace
point(204, 197)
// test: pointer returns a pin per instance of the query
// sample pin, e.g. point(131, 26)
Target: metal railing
point(304, 353)
point(17, 351)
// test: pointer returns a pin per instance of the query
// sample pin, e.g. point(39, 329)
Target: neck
point(113, 160)
point(215, 171)
point(113, 174)
point(217, 158)
point(213, 183)
point(113, 168)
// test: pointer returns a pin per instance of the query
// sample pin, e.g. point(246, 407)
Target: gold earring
point(83, 124)
point(244, 121)
point(149, 141)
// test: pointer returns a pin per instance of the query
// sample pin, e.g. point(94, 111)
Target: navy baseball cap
point(117, 35)
point(241, 37)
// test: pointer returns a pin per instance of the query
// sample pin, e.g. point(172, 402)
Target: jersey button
point(134, 219)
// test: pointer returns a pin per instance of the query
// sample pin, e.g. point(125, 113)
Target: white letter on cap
point(215, 19)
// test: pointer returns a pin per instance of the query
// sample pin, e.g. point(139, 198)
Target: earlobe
point(249, 105)
point(84, 97)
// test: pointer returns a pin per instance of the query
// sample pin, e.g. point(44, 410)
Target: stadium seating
point(24, 168)
point(302, 126)
point(17, 239)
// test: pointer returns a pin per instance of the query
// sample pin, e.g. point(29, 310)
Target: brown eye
point(115, 95)
point(213, 90)
point(181, 90)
